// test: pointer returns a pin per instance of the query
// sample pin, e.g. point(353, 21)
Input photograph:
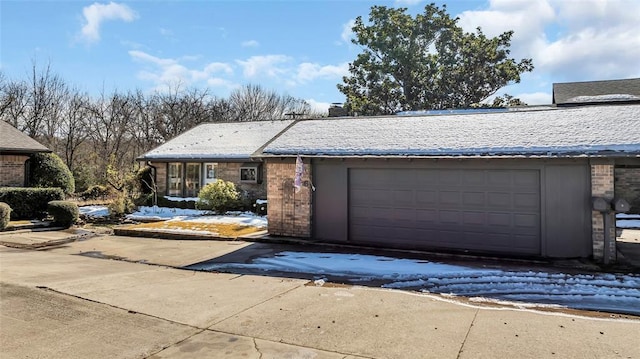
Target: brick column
point(289, 212)
point(602, 185)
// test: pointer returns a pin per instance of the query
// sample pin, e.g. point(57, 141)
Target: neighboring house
point(211, 151)
point(516, 182)
point(594, 92)
point(15, 151)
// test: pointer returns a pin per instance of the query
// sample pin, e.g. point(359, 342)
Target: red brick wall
point(12, 170)
point(289, 211)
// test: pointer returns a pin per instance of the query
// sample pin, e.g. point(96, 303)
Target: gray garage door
point(480, 210)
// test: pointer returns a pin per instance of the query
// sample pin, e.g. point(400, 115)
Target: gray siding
point(546, 204)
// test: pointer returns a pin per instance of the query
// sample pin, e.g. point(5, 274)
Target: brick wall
point(230, 171)
point(627, 186)
point(289, 212)
point(602, 185)
point(161, 177)
point(12, 170)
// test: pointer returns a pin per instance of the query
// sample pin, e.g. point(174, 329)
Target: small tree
point(218, 196)
point(48, 170)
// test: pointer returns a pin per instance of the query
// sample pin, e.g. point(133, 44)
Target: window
point(192, 180)
point(210, 171)
point(250, 172)
point(175, 179)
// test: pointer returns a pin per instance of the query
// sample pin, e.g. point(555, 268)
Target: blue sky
point(300, 48)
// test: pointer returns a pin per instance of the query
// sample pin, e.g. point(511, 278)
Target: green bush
point(64, 213)
point(29, 203)
point(5, 215)
point(121, 205)
point(48, 170)
point(219, 196)
point(95, 192)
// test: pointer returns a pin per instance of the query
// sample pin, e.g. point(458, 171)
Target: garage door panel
point(426, 197)
point(529, 201)
point(448, 198)
point(474, 218)
point(499, 219)
point(449, 176)
point(473, 199)
point(474, 178)
point(485, 210)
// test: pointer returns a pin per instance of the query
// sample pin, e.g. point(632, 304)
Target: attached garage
point(539, 208)
point(516, 183)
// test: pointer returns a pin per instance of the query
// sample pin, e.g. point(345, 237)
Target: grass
point(223, 230)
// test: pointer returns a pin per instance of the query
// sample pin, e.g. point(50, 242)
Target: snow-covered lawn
point(94, 211)
point(592, 291)
point(624, 220)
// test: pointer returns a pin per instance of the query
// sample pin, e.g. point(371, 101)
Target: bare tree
point(254, 103)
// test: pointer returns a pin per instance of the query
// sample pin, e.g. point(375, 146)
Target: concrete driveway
point(58, 304)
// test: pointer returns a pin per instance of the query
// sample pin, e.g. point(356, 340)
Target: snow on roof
point(590, 130)
point(237, 140)
point(603, 98)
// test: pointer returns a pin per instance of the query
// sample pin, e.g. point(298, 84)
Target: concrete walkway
point(57, 304)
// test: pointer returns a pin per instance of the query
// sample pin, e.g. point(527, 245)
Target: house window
point(192, 180)
point(210, 171)
point(250, 172)
point(175, 179)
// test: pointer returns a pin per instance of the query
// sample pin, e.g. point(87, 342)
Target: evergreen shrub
point(64, 213)
point(5, 215)
point(29, 203)
point(219, 196)
point(48, 170)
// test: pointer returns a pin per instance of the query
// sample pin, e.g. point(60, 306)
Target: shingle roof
point(14, 141)
point(596, 91)
point(219, 141)
point(612, 130)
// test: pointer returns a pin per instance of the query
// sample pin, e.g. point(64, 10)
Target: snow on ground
point(145, 213)
point(592, 291)
point(163, 213)
point(624, 220)
point(94, 211)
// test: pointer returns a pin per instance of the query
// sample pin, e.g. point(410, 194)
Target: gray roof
point(219, 141)
point(612, 130)
point(14, 141)
point(596, 91)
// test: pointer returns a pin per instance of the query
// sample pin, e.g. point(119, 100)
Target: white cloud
point(318, 107)
point(535, 98)
point(567, 40)
point(347, 32)
point(407, 2)
point(96, 13)
point(310, 71)
point(266, 65)
point(250, 43)
point(165, 72)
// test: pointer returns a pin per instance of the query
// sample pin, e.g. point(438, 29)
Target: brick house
point(15, 151)
point(516, 182)
point(211, 151)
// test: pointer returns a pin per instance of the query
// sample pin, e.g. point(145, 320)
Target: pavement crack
point(464, 341)
point(253, 306)
point(255, 345)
